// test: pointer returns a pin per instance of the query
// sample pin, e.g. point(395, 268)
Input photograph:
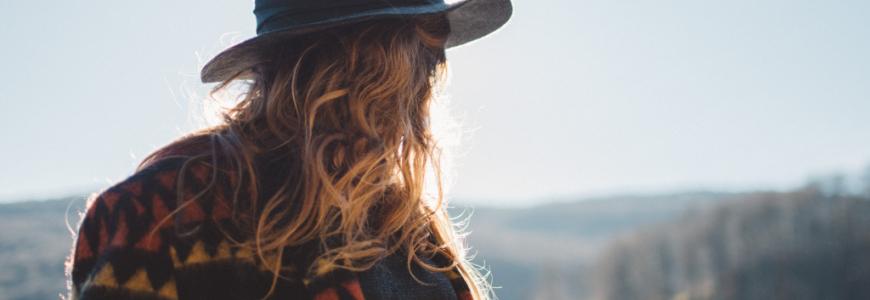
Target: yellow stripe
point(174, 254)
point(139, 282)
point(197, 254)
point(223, 251)
point(451, 275)
point(168, 290)
point(245, 254)
point(106, 277)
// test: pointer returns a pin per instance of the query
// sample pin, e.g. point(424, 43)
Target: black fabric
point(234, 281)
point(389, 279)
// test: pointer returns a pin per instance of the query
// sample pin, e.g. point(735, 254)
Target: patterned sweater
point(130, 246)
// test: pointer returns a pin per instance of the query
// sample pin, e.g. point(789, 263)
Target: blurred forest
point(810, 243)
point(798, 245)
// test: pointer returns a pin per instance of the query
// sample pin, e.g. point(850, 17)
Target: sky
point(570, 99)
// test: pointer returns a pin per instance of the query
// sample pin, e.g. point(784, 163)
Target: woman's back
point(131, 246)
point(324, 180)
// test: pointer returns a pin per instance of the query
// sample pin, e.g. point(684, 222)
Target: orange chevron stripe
point(161, 213)
point(167, 179)
point(120, 238)
point(104, 236)
point(139, 208)
point(150, 241)
point(328, 294)
point(465, 295)
point(110, 199)
point(201, 172)
point(83, 249)
point(134, 188)
point(220, 210)
point(352, 286)
point(193, 212)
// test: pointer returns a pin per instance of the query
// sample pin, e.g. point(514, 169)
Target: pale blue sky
point(571, 98)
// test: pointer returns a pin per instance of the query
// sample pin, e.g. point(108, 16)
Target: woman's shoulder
point(146, 200)
point(165, 187)
point(159, 222)
point(159, 196)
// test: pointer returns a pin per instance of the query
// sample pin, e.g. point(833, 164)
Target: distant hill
point(524, 248)
point(34, 242)
point(800, 245)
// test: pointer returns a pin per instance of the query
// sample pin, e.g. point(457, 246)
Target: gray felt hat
point(278, 20)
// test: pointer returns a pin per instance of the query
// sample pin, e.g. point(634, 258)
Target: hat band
point(274, 15)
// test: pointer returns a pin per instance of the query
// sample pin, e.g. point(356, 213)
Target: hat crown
point(279, 20)
point(293, 13)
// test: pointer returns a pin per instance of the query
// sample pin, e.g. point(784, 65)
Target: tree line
point(812, 243)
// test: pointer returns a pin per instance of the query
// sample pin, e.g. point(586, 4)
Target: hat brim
point(469, 20)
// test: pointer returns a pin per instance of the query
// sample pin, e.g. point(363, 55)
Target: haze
point(570, 99)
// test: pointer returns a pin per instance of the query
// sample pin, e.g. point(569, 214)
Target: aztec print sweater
point(130, 247)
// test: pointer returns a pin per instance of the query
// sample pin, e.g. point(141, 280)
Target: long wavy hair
point(353, 105)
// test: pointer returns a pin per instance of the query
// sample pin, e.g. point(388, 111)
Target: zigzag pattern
point(131, 246)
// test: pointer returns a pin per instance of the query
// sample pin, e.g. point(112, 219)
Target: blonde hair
point(354, 105)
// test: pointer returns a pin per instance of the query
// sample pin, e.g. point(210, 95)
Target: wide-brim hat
point(278, 20)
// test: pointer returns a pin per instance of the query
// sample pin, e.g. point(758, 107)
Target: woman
point(316, 184)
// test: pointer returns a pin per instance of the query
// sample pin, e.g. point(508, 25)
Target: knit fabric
point(131, 246)
point(382, 282)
